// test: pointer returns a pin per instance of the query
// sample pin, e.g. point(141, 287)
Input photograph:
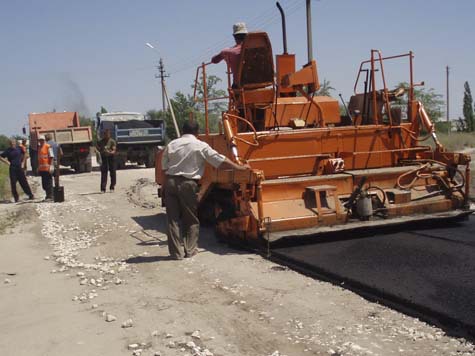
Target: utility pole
point(162, 76)
point(449, 125)
point(447, 70)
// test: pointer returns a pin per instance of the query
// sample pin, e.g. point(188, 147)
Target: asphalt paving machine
point(315, 169)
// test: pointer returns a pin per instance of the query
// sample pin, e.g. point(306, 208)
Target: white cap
point(239, 28)
point(42, 137)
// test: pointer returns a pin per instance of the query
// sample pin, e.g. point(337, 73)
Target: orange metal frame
point(307, 162)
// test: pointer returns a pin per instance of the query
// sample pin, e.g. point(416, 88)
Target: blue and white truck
point(138, 138)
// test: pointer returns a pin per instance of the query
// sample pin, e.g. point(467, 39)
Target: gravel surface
point(93, 278)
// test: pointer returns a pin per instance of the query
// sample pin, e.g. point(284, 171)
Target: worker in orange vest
point(45, 167)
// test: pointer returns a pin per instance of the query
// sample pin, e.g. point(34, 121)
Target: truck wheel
point(77, 166)
point(83, 165)
point(87, 165)
point(120, 164)
point(150, 162)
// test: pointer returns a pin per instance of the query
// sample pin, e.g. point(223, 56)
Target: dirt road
point(90, 276)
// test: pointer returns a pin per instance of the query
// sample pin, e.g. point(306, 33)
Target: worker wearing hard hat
point(15, 157)
point(45, 166)
point(231, 55)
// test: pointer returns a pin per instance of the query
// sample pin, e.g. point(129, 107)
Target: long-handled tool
point(58, 191)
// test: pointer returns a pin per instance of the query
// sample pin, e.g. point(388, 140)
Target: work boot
point(31, 197)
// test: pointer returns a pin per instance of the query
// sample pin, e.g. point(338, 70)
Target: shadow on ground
point(154, 230)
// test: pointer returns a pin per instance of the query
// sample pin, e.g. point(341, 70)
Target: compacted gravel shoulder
point(103, 285)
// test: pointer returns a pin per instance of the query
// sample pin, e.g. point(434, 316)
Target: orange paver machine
point(314, 169)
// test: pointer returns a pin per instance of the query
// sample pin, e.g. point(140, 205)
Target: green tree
point(4, 142)
point(103, 110)
point(184, 107)
point(165, 116)
point(325, 89)
point(468, 115)
point(215, 106)
point(432, 101)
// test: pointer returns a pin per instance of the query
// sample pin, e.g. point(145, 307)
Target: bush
point(4, 182)
point(456, 141)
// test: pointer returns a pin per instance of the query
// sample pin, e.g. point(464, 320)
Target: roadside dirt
point(68, 268)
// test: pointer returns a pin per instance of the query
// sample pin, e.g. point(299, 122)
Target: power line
point(261, 21)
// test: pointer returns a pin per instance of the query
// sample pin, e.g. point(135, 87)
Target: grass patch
point(4, 182)
point(457, 141)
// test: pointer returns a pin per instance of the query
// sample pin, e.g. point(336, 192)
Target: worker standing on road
point(57, 151)
point(183, 162)
point(15, 158)
point(107, 148)
point(45, 166)
point(232, 55)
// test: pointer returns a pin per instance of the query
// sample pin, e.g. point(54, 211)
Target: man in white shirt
point(183, 162)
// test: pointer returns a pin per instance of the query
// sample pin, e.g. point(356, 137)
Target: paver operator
point(15, 158)
point(183, 162)
point(45, 166)
point(232, 55)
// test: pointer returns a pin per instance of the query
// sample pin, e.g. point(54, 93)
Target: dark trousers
point(181, 200)
point(18, 175)
point(108, 165)
point(47, 183)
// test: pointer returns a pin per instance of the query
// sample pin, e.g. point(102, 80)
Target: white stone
point(155, 333)
point(128, 323)
point(171, 345)
point(133, 346)
point(110, 317)
point(190, 344)
point(196, 334)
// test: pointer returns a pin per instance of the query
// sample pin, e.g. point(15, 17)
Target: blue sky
point(79, 55)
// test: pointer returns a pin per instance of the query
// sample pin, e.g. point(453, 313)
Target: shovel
point(58, 191)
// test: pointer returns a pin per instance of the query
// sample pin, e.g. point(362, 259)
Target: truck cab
point(136, 135)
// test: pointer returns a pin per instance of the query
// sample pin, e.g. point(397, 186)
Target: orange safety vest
point(44, 160)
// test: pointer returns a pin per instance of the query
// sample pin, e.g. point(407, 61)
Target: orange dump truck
point(314, 169)
point(65, 129)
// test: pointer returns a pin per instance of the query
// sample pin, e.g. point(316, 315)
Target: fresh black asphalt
point(427, 268)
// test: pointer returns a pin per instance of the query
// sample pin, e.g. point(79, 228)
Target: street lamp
point(161, 74)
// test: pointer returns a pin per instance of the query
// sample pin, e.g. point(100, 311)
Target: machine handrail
point(205, 98)
point(235, 137)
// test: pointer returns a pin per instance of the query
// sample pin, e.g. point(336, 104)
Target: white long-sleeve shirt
point(186, 156)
